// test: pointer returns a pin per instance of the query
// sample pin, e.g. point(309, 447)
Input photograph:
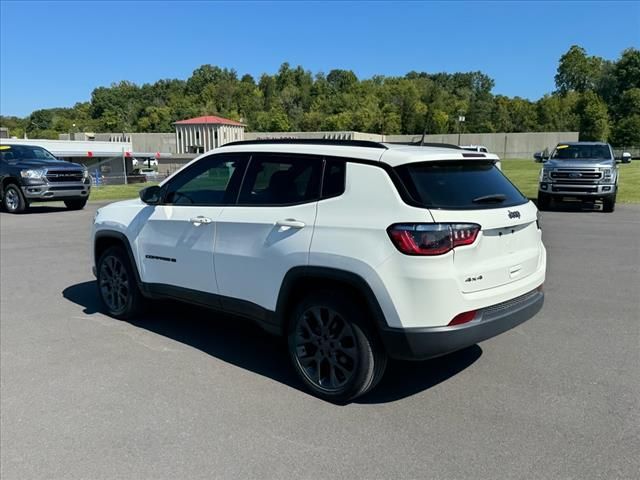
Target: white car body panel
point(253, 253)
point(172, 250)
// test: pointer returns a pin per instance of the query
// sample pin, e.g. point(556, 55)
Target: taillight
point(432, 238)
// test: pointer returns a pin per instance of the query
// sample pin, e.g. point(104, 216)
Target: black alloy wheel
point(326, 348)
point(333, 346)
point(117, 284)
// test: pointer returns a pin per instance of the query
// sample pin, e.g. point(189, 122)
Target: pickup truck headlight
point(544, 175)
point(606, 172)
point(85, 173)
point(34, 173)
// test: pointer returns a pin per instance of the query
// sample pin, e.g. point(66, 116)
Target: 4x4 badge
point(514, 214)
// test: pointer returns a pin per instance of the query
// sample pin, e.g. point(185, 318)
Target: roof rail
point(429, 144)
point(310, 141)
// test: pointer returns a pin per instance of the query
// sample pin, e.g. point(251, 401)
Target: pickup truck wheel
point(609, 204)
point(13, 200)
point(75, 204)
point(117, 284)
point(333, 350)
point(544, 201)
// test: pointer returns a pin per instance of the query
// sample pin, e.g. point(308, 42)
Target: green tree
point(630, 102)
point(342, 80)
point(627, 132)
point(275, 120)
point(558, 112)
point(117, 107)
point(626, 71)
point(594, 117)
point(577, 71)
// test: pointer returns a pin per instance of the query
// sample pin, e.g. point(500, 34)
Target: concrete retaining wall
point(154, 142)
point(506, 145)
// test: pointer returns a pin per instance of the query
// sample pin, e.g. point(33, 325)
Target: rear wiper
point(495, 197)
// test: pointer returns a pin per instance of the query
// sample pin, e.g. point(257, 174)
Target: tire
point(333, 350)
point(117, 285)
point(609, 204)
point(13, 200)
point(544, 201)
point(75, 204)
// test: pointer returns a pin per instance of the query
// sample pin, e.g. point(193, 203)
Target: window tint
point(281, 179)
point(584, 151)
point(26, 152)
point(333, 180)
point(6, 154)
point(471, 184)
point(211, 181)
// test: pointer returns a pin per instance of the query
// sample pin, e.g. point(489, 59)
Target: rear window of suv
point(459, 185)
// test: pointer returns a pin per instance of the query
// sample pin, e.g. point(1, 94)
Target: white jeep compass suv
point(355, 251)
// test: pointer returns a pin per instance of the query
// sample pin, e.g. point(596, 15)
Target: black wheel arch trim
point(121, 238)
point(297, 274)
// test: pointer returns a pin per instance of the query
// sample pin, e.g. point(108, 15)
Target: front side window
point(211, 181)
point(281, 179)
point(6, 154)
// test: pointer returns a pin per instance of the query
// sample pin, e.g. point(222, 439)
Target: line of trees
point(597, 97)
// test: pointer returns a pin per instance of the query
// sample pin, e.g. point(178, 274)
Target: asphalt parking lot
point(187, 393)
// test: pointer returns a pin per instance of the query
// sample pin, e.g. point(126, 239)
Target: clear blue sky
point(55, 53)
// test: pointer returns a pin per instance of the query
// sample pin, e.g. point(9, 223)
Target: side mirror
point(539, 157)
point(626, 157)
point(151, 195)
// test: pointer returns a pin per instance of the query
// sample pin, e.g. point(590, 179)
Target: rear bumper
point(575, 190)
point(429, 342)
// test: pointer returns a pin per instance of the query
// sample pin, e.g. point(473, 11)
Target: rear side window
point(281, 179)
point(333, 180)
point(459, 185)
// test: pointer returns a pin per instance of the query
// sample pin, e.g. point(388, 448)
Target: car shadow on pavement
point(239, 342)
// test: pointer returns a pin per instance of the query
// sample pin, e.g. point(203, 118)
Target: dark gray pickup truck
point(586, 171)
point(29, 173)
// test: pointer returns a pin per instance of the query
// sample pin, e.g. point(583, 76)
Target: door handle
point(291, 223)
point(200, 220)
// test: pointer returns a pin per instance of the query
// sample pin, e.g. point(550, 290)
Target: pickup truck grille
point(576, 175)
point(64, 176)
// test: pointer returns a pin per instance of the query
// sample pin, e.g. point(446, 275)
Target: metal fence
point(119, 171)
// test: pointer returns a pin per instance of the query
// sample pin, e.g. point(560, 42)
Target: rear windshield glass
point(460, 185)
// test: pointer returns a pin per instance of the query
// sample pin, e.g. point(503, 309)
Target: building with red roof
point(200, 134)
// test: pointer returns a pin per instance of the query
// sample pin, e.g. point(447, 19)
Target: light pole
point(461, 120)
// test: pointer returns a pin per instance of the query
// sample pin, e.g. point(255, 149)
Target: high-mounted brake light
point(432, 238)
